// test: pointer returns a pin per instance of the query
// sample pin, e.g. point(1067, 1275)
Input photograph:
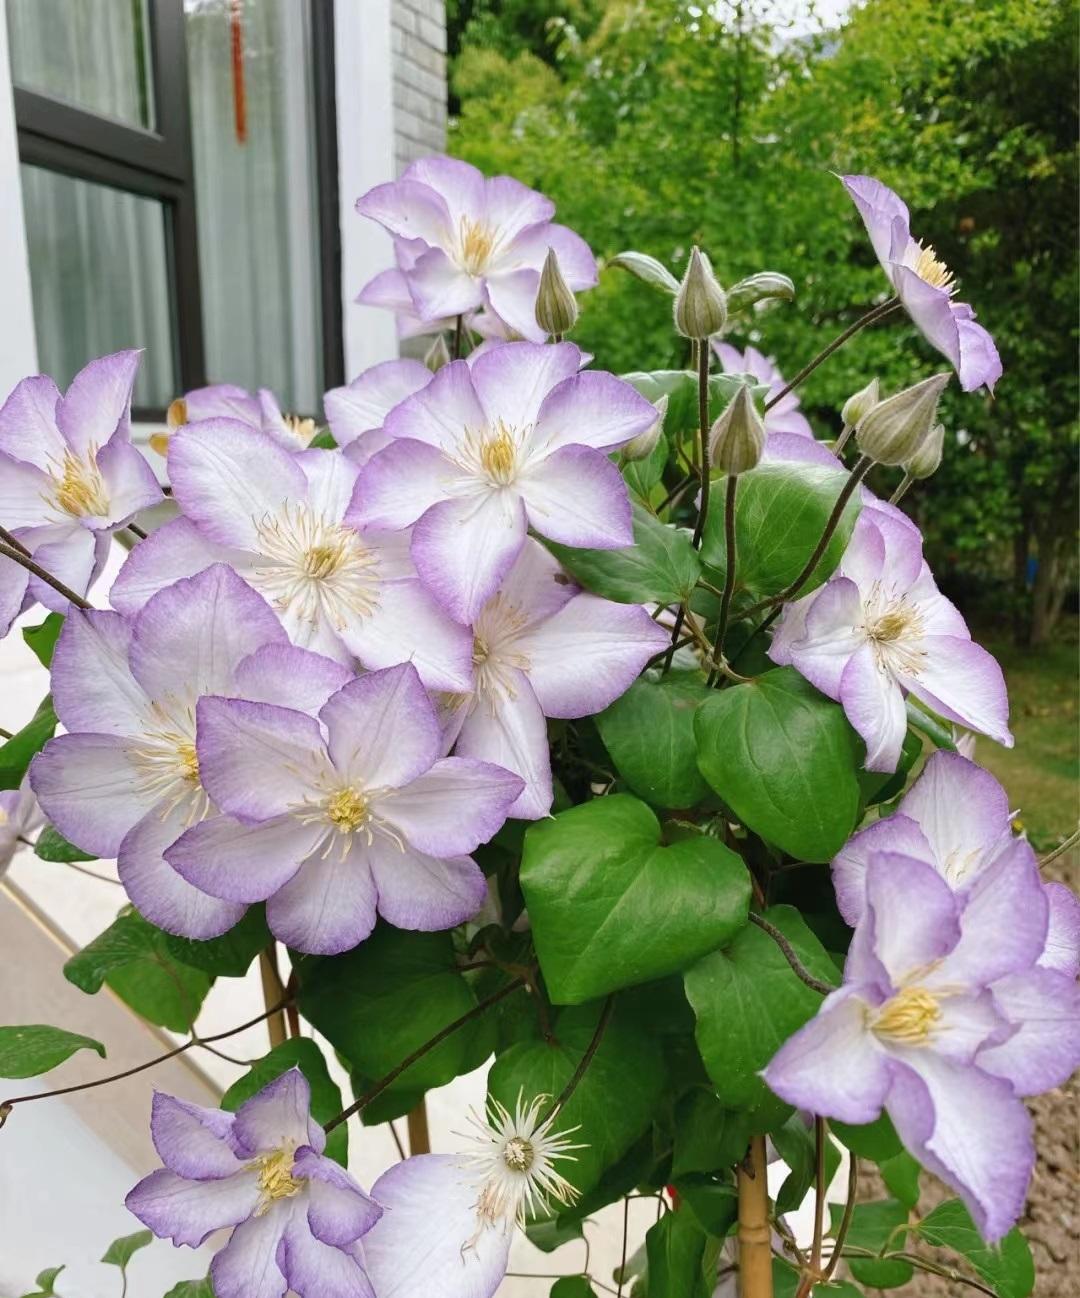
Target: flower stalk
point(871, 317)
point(755, 1237)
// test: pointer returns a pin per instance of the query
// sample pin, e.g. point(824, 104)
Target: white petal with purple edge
point(89, 786)
point(1062, 950)
point(382, 727)
point(1045, 1050)
point(243, 863)
point(317, 1270)
point(832, 633)
point(509, 730)
point(915, 916)
point(24, 493)
point(177, 549)
point(339, 1211)
point(896, 833)
point(278, 1116)
point(279, 671)
point(513, 382)
point(71, 553)
point(512, 295)
point(410, 210)
point(962, 682)
point(576, 261)
point(440, 287)
point(536, 585)
point(13, 583)
point(874, 704)
point(191, 1140)
point(365, 403)
point(880, 210)
point(129, 482)
point(92, 685)
point(578, 497)
point(439, 413)
point(28, 428)
point(247, 1266)
point(425, 893)
point(401, 482)
point(592, 409)
point(329, 905)
point(97, 405)
point(452, 808)
point(188, 1211)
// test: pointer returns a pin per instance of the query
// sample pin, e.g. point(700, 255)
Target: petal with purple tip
point(243, 863)
point(91, 790)
point(247, 1266)
point(191, 1140)
point(578, 497)
point(188, 1211)
point(329, 905)
point(339, 1211)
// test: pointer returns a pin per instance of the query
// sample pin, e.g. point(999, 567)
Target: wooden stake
point(755, 1236)
point(419, 1139)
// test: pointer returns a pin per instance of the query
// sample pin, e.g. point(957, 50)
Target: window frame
point(159, 164)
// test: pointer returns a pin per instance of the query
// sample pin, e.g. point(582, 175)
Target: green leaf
point(611, 907)
point(747, 1002)
point(120, 1251)
point(17, 754)
point(707, 1136)
point(901, 1176)
point(785, 759)
point(875, 1140)
point(192, 1289)
point(613, 1103)
point(660, 567)
point(37, 1048)
point(45, 1282)
point(649, 733)
point(780, 515)
point(42, 638)
point(675, 1247)
point(132, 957)
point(381, 1001)
point(873, 1226)
point(323, 441)
point(681, 389)
point(302, 1053)
point(647, 269)
point(51, 845)
point(572, 1286)
point(228, 956)
point(796, 1145)
point(1007, 1266)
point(643, 475)
point(714, 1203)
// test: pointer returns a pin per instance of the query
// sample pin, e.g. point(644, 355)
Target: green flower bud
point(556, 306)
point(643, 445)
point(895, 429)
point(859, 405)
point(438, 354)
point(757, 288)
point(700, 305)
point(737, 439)
point(926, 459)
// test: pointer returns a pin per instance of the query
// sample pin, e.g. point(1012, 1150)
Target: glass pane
point(252, 121)
point(99, 274)
point(91, 53)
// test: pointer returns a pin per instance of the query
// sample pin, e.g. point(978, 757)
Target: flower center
point(78, 486)
point(302, 429)
point(931, 270)
point(894, 627)
point(519, 1154)
point(347, 810)
point(276, 1180)
point(498, 455)
point(168, 761)
point(480, 651)
point(314, 568)
point(909, 1017)
point(477, 243)
point(897, 623)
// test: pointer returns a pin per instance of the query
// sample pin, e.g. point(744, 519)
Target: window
point(179, 177)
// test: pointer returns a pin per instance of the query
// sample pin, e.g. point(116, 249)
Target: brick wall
point(419, 34)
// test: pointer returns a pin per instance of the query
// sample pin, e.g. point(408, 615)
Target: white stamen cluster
point(894, 627)
point(77, 485)
point(477, 242)
point(167, 760)
point(495, 653)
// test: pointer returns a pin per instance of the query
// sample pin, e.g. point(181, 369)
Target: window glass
point(91, 53)
point(252, 121)
point(99, 272)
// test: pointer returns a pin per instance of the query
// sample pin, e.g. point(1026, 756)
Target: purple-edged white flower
point(517, 440)
point(331, 821)
point(936, 991)
point(125, 780)
point(543, 648)
point(785, 416)
point(279, 520)
point(259, 410)
point(390, 291)
point(69, 477)
point(924, 285)
point(297, 1217)
point(356, 413)
point(484, 239)
point(881, 629)
point(449, 1219)
point(20, 815)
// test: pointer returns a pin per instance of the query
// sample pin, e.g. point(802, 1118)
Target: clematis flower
point(125, 780)
point(449, 1219)
point(543, 648)
point(20, 815)
point(390, 291)
point(356, 413)
point(278, 520)
point(484, 238)
point(69, 477)
point(297, 1217)
point(330, 823)
point(920, 1030)
point(480, 454)
point(924, 285)
point(785, 416)
point(881, 629)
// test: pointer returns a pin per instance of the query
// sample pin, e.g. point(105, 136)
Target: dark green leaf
point(714, 1203)
point(51, 845)
point(649, 733)
point(120, 1251)
point(42, 638)
point(17, 754)
point(880, 786)
point(133, 958)
point(381, 1001)
point(1007, 1266)
point(873, 1226)
point(615, 1099)
point(901, 1176)
point(785, 759)
point(875, 1140)
point(675, 1247)
point(611, 907)
point(302, 1053)
point(707, 1136)
point(572, 1286)
point(796, 1145)
point(323, 441)
point(660, 567)
point(37, 1048)
point(780, 515)
point(748, 1002)
point(228, 956)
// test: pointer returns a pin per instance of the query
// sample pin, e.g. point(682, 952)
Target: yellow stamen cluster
point(79, 488)
point(188, 761)
point(931, 270)
point(347, 809)
point(302, 429)
point(897, 623)
point(908, 1017)
point(498, 455)
point(276, 1180)
point(477, 242)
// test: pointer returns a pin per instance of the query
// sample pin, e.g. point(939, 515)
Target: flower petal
point(129, 482)
point(1062, 950)
point(188, 1211)
point(897, 833)
point(980, 364)
point(874, 704)
point(453, 807)
point(223, 401)
point(98, 402)
point(24, 493)
point(365, 403)
point(591, 409)
point(383, 731)
point(191, 1140)
point(962, 682)
point(89, 786)
point(328, 906)
point(242, 863)
point(425, 893)
point(339, 1211)
point(247, 1266)
point(318, 1270)
point(512, 296)
point(441, 288)
point(578, 497)
point(1045, 1050)
point(73, 554)
point(832, 633)
point(177, 549)
point(440, 413)
point(278, 1116)
point(509, 730)
point(399, 483)
point(513, 382)
point(880, 210)
point(92, 685)
point(913, 916)
point(279, 671)
point(577, 265)
point(28, 430)
point(409, 209)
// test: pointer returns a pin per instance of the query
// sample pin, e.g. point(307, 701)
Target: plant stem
point(587, 1058)
point(417, 1126)
point(729, 575)
point(755, 1238)
point(1061, 848)
point(849, 1212)
point(273, 994)
point(842, 440)
point(7, 1105)
point(373, 1092)
point(459, 335)
point(19, 555)
point(797, 967)
point(862, 467)
point(670, 653)
point(676, 491)
point(9, 538)
point(902, 490)
point(871, 317)
point(704, 353)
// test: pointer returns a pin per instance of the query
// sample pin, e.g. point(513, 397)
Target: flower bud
point(895, 429)
point(556, 306)
point(438, 354)
point(859, 405)
point(757, 288)
point(700, 305)
point(737, 439)
point(643, 445)
point(926, 459)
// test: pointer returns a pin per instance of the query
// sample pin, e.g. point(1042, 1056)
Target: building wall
point(419, 44)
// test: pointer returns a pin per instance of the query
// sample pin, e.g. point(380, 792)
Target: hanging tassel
point(236, 40)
